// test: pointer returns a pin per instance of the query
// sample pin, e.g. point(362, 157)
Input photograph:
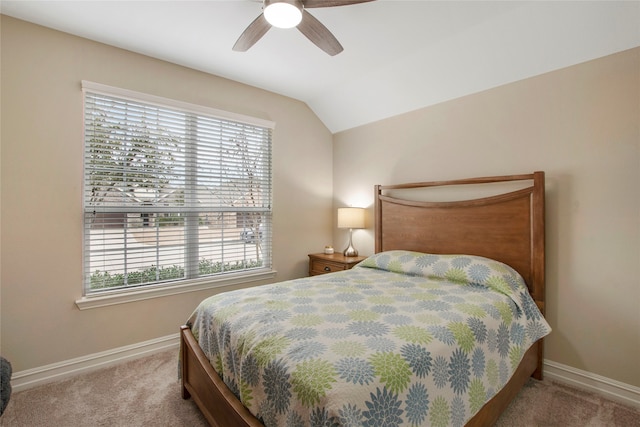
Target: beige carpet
point(146, 392)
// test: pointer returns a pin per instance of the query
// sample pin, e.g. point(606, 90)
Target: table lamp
point(350, 218)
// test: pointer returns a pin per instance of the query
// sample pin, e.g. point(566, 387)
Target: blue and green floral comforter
point(403, 338)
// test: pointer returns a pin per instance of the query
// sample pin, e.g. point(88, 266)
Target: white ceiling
point(399, 55)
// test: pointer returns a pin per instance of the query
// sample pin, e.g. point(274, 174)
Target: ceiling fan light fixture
point(283, 14)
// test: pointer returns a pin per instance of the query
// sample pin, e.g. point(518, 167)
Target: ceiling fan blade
point(319, 34)
point(252, 34)
point(331, 3)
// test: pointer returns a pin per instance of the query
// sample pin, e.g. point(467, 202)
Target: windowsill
point(123, 297)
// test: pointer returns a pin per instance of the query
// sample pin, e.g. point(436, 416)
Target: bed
point(442, 325)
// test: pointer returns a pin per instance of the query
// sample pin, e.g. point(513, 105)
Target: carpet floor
point(146, 392)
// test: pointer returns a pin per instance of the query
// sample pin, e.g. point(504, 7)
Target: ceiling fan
point(293, 13)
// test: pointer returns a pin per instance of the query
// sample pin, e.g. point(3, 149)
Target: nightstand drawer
point(321, 266)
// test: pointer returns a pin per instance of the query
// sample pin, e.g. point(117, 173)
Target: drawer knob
point(327, 269)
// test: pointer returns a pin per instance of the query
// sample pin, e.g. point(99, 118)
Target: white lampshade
point(350, 218)
point(283, 14)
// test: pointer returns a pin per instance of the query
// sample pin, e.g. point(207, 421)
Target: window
point(173, 193)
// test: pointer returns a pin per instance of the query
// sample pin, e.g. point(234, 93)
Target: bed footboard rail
point(202, 383)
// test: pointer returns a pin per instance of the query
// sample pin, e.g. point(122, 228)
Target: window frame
point(160, 289)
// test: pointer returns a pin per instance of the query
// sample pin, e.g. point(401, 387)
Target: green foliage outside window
point(104, 279)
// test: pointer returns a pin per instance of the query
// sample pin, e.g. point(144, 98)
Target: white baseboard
point(23, 380)
point(603, 386)
point(606, 387)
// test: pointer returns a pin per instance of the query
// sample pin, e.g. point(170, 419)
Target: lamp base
point(350, 251)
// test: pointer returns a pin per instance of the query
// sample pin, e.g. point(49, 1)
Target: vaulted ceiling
point(398, 55)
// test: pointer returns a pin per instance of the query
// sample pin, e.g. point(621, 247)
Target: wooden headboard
point(508, 227)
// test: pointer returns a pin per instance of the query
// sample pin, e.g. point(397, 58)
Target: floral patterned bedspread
point(403, 338)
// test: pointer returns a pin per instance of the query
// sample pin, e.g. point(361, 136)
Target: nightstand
point(324, 263)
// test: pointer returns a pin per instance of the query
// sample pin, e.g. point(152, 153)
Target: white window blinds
point(171, 191)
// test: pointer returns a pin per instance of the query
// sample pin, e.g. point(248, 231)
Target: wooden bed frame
point(508, 227)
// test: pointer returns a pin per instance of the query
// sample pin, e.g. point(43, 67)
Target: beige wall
point(581, 126)
point(42, 149)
